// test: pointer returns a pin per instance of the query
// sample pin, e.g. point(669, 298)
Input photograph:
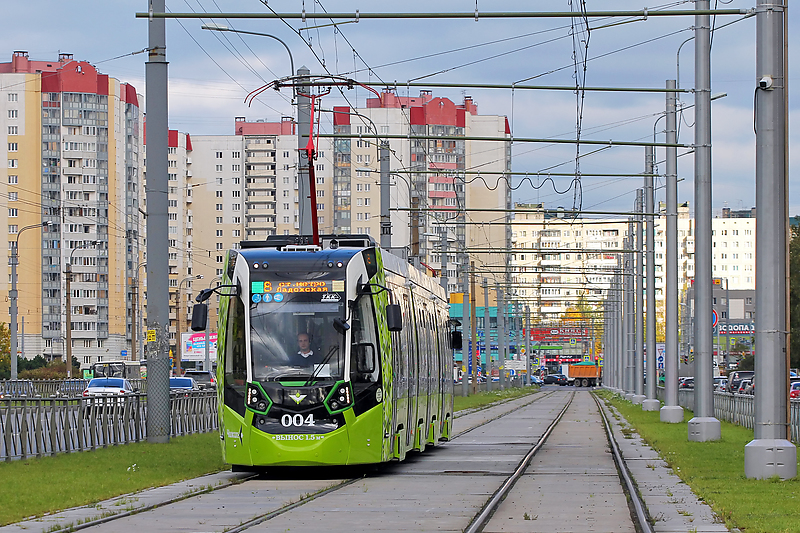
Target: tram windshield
point(291, 330)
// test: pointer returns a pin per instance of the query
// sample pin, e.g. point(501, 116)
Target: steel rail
point(482, 518)
point(639, 511)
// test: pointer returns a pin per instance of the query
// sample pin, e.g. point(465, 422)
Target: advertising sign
point(193, 346)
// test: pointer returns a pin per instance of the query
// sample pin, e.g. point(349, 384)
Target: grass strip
point(35, 487)
point(715, 471)
point(485, 398)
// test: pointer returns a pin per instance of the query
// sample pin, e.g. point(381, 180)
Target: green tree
point(794, 297)
point(5, 351)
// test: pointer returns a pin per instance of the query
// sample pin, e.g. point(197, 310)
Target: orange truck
point(585, 374)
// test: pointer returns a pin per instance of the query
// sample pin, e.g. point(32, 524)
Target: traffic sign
point(715, 318)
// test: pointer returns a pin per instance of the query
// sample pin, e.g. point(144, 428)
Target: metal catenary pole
point(527, 333)
point(671, 412)
point(158, 414)
point(770, 453)
point(650, 260)
point(703, 427)
point(638, 366)
point(473, 329)
point(502, 338)
point(303, 129)
point(467, 336)
point(487, 337)
point(386, 222)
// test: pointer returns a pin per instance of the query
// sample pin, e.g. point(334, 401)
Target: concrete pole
point(703, 427)
point(671, 412)
point(527, 334)
point(158, 413)
point(502, 338)
point(638, 363)
point(487, 337)
point(770, 453)
point(303, 128)
point(467, 336)
point(443, 281)
point(386, 221)
point(620, 366)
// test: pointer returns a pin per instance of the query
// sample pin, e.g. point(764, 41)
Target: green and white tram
point(337, 354)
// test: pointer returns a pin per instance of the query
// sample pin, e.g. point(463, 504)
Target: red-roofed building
point(437, 172)
point(74, 152)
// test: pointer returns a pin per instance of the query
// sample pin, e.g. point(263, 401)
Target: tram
point(338, 354)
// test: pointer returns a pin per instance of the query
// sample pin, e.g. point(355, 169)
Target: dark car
point(555, 379)
point(735, 378)
point(205, 379)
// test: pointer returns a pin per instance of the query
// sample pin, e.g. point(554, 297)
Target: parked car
point(794, 390)
point(555, 379)
point(743, 385)
point(18, 388)
point(735, 378)
point(108, 387)
point(686, 384)
point(205, 379)
point(183, 384)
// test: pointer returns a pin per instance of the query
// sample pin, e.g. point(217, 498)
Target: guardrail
point(737, 408)
point(48, 388)
point(37, 427)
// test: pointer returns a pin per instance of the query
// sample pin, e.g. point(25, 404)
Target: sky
point(210, 73)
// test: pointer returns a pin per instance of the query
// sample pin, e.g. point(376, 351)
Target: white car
point(108, 387)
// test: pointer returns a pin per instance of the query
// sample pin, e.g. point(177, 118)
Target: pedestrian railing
point(70, 388)
point(737, 408)
point(37, 427)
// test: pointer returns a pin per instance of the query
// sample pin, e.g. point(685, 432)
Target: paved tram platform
point(571, 485)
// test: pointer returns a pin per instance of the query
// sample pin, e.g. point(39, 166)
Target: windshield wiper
point(334, 348)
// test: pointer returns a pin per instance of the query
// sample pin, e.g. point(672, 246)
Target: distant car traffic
point(735, 378)
point(687, 383)
point(743, 386)
point(108, 387)
point(18, 388)
point(536, 380)
point(794, 390)
point(183, 384)
point(205, 378)
point(555, 379)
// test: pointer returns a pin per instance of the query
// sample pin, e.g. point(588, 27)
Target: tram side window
point(235, 357)
point(364, 342)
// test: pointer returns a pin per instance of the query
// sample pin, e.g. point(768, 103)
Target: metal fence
point(49, 388)
point(36, 427)
point(738, 409)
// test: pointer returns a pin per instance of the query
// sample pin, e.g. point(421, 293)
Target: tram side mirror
point(364, 354)
point(456, 342)
point(394, 317)
point(340, 326)
point(199, 317)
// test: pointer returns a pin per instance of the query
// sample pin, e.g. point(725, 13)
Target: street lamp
point(220, 27)
point(134, 309)
point(12, 296)
point(178, 305)
point(68, 273)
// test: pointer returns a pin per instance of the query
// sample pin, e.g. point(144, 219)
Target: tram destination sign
point(298, 286)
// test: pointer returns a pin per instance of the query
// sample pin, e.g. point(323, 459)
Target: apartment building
point(72, 141)
point(558, 262)
point(433, 183)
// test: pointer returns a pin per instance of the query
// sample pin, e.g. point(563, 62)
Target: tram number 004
point(297, 420)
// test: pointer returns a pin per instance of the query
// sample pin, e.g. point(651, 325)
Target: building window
point(236, 194)
point(219, 207)
point(236, 168)
point(218, 194)
point(13, 228)
point(12, 97)
point(219, 259)
point(236, 207)
point(13, 163)
point(13, 113)
point(219, 155)
point(13, 196)
point(13, 213)
point(219, 168)
point(219, 220)
point(13, 130)
point(236, 155)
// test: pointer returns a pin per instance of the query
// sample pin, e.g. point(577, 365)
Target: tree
point(794, 297)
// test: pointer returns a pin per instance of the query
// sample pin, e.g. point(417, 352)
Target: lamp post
point(12, 296)
point(220, 27)
point(134, 309)
point(68, 278)
point(178, 321)
point(207, 363)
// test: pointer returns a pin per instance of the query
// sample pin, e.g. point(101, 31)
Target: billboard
point(193, 346)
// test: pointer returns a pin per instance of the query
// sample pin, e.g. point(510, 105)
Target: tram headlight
point(256, 399)
point(340, 398)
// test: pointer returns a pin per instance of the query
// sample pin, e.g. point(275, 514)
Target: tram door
point(400, 349)
point(413, 369)
point(432, 357)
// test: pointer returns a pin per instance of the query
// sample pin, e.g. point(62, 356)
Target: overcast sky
point(210, 74)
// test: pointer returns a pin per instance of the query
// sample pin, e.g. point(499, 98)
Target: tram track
point(314, 498)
